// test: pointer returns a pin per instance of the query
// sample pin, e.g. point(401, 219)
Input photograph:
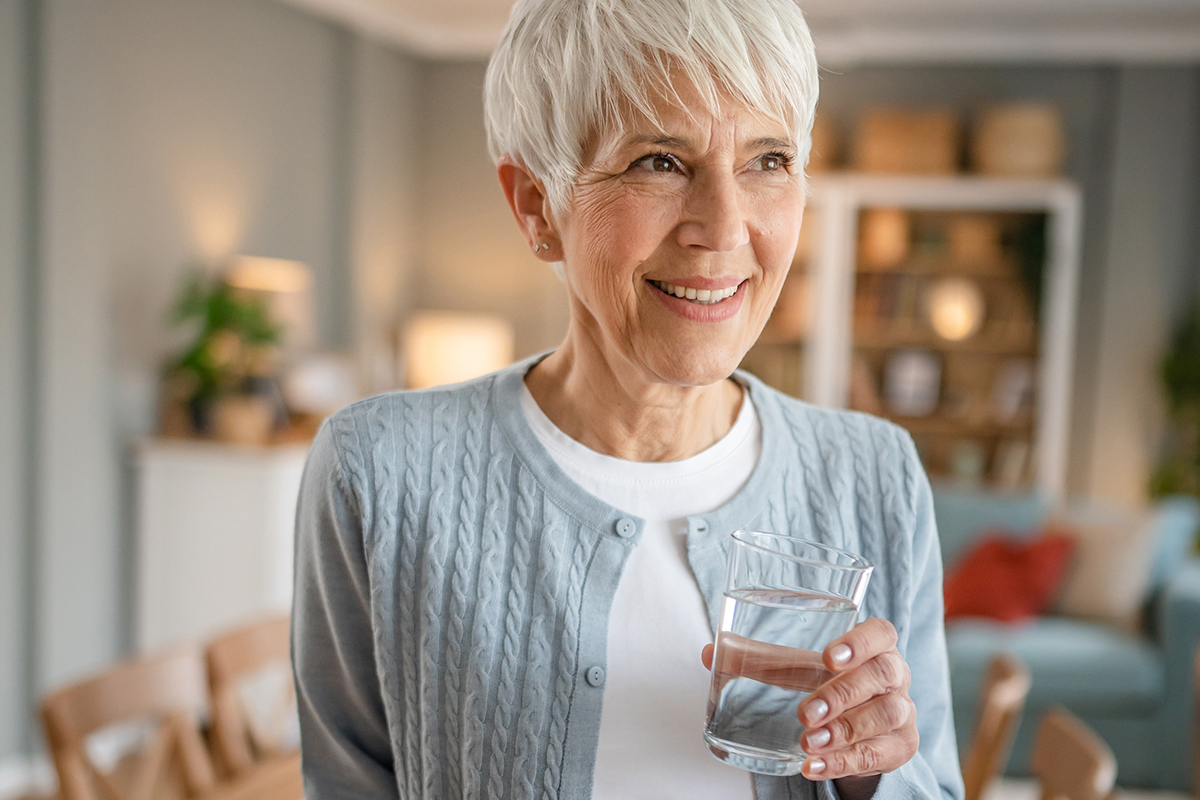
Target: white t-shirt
point(656, 689)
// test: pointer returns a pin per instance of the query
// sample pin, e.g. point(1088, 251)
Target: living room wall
point(167, 134)
point(13, 380)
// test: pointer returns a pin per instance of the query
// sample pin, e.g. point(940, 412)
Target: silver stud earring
point(540, 246)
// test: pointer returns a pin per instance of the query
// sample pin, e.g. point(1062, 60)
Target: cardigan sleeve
point(345, 747)
point(934, 771)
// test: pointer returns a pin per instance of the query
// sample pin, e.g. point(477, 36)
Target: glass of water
point(786, 599)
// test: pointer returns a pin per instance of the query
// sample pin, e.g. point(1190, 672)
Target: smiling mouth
point(701, 297)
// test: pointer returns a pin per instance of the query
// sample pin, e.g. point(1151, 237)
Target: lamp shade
point(285, 286)
point(443, 347)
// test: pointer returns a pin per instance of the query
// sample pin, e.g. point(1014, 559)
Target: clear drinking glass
point(786, 599)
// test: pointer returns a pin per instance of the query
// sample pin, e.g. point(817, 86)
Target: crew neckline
point(745, 510)
point(593, 462)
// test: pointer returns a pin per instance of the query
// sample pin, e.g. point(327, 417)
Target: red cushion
point(1009, 579)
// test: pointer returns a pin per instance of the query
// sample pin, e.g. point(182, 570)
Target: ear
point(527, 198)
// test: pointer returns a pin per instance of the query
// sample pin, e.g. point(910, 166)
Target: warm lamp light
point(257, 274)
point(443, 347)
point(955, 308)
point(285, 286)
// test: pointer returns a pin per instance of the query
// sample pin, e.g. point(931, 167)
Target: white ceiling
point(855, 31)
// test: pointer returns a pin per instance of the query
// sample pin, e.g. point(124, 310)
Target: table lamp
point(443, 347)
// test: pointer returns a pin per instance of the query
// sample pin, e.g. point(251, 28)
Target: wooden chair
point(1196, 700)
point(246, 754)
point(1001, 701)
point(167, 689)
point(1070, 761)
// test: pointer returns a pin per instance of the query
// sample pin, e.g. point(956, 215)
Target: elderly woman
point(504, 587)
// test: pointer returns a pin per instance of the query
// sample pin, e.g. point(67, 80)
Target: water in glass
point(767, 660)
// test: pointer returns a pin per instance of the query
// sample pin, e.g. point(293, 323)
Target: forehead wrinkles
point(677, 119)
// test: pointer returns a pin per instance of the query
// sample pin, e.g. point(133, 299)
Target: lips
point(701, 305)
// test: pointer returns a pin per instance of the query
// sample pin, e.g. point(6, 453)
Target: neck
point(614, 409)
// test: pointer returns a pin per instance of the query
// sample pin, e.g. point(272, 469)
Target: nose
point(714, 218)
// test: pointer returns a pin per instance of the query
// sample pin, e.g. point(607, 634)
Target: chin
point(698, 368)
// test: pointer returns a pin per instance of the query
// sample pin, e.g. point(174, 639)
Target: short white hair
point(565, 70)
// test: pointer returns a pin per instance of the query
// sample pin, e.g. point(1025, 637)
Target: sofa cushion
point(962, 515)
point(1008, 580)
point(1089, 667)
point(1110, 573)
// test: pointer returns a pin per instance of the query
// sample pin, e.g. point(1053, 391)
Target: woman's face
point(709, 208)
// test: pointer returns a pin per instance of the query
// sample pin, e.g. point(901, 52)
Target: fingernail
point(816, 711)
point(818, 738)
point(816, 765)
point(840, 653)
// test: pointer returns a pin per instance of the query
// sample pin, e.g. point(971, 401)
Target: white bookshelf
point(838, 200)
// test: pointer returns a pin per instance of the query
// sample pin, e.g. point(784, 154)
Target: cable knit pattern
point(410, 529)
point(453, 590)
point(463, 565)
point(514, 620)
point(486, 626)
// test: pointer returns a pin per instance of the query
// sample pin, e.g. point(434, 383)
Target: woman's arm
point(883, 697)
point(345, 746)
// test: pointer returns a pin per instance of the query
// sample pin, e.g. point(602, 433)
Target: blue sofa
point(1135, 690)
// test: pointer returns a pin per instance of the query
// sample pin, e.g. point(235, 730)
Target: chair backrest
point(168, 689)
point(1070, 761)
point(1001, 702)
point(231, 658)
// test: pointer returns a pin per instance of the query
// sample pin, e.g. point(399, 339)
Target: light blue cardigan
point(453, 589)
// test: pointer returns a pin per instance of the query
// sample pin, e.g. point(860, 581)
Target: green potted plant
point(1179, 469)
point(227, 367)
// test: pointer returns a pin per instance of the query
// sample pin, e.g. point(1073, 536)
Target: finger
point(706, 656)
point(876, 717)
point(884, 673)
point(778, 665)
point(870, 757)
point(865, 641)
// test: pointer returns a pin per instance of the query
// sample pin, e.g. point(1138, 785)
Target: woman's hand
point(861, 722)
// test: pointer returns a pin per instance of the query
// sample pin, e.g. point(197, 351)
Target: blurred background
point(220, 220)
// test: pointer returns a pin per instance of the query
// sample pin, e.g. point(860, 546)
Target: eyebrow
point(765, 142)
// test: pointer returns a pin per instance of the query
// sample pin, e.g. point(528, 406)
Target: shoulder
point(388, 431)
point(782, 414)
point(384, 413)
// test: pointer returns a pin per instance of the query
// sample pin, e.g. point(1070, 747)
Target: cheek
point(779, 232)
point(613, 234)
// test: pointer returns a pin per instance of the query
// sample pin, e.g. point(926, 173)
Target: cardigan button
point(626, 527)
point(595, 676)
point(700, 526)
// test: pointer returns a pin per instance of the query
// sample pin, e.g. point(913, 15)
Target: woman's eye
point(772, 162)
point(657, 163)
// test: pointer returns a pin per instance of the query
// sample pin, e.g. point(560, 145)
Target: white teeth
point(700, 296)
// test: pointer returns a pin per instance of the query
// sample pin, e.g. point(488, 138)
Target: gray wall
point(1147, 272)
point(471, 256)
point(14, 363)
point(171, 134)
point(384, 197)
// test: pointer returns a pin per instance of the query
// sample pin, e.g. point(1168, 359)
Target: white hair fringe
point(564, 70)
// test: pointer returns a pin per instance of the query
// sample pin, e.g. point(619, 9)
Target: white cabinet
point(214, 542)
point(841, 344)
